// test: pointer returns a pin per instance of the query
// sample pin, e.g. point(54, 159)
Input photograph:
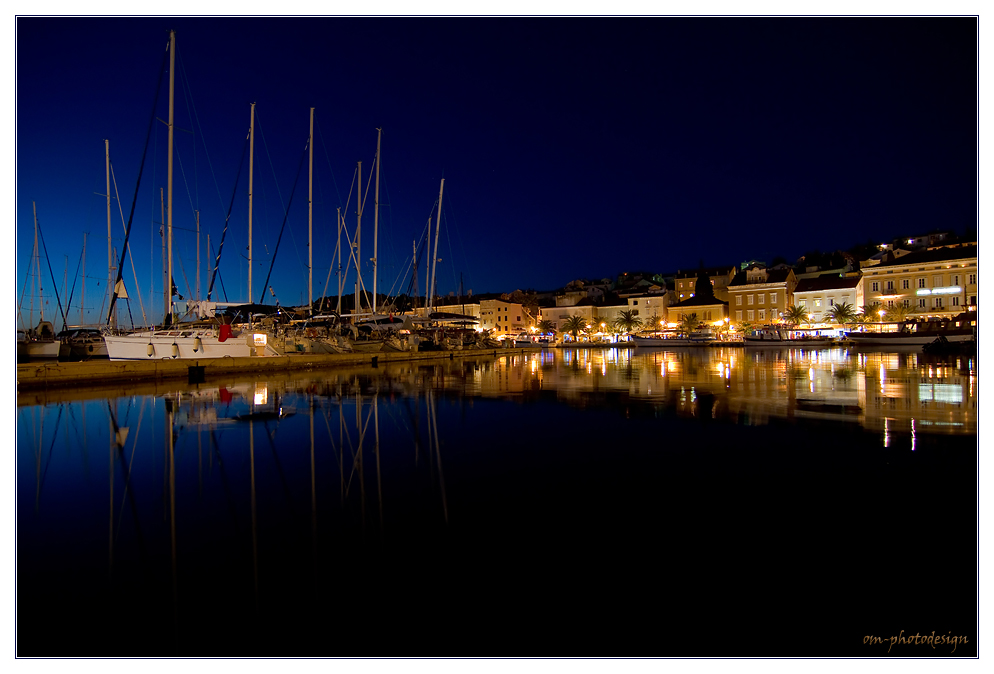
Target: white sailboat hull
point(184, 344)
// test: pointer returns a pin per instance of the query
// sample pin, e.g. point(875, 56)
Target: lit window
point(761, 298)
point(773, 298)
point(762, 314)
point(751, 299)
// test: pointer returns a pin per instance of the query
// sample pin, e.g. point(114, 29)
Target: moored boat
point(189, 341)
point(696, 338)
point(962, 328)
point(779, 336)
point(39, 343)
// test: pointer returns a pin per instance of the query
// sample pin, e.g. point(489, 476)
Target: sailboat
point(40, 342)
point(202, 339)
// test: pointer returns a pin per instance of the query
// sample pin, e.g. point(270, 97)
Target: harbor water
point(567, 502)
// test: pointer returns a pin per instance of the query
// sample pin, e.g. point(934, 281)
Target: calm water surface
point(569, 502)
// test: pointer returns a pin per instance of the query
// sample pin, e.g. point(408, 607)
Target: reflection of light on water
point(261, 394)
point(912, 434)
point(886, 432)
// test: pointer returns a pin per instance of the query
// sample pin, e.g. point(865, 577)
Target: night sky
point(570, 147)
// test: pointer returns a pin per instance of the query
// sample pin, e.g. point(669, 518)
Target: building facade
point(933, 283)
point(759, 295)
point(818, 296)
point(503, 318)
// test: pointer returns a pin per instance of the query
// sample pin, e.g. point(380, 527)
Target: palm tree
point(795, 315)
point(868, 314)
point(689, 323)
point(628, 321)
point(900, 313)
point(574, 325)
point(844, 314)
point(547, 326)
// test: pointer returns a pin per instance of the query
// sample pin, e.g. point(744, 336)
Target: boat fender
point(175, 349)
point(150, 350)
point(198, 345)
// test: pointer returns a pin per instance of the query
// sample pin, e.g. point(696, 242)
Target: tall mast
point(414, 256)
point(357, 246)
point(82, 288)
point(310, 217)
point(169, 177)
point(41, 302)
point(166, 289)
point(338, 249)
point(251, 167)
point(376, 213)
point(198, 255)
point(110, 260)
point(434, 258)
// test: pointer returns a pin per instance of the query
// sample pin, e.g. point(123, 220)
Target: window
point(517, 318)
point(907, 303)
point(773, 298)
point(635, 312)
point(955, 280)
point(752, 315)
point(761, 298)
point(921, 303)
point(738, 301)
point(955, 301)
point(890, 304)
point(921, 283)
point(635, 303)
point(802, 303)
point(936, 281)
point(973, 300)
point(938, 302)
point(905, 284)
point(738, 316)
point(831, 302)
point(890, 285)
point(972, 279)
point(875, 287)
point(762, 314)
point(751, 299)
point(818, 303)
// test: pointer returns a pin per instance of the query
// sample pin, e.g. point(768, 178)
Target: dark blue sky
point(570, 147)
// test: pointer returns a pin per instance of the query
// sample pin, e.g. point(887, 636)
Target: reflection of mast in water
point(433, 437)
point(255, 537)
point(170, 416)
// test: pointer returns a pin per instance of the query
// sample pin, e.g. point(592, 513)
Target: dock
point(55, 375)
